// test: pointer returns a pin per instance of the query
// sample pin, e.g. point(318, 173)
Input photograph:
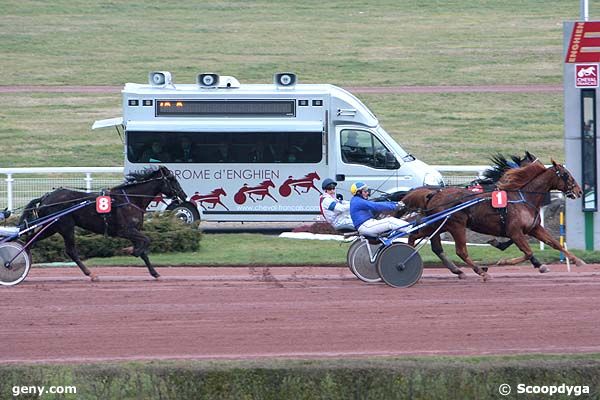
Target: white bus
point(259, 152)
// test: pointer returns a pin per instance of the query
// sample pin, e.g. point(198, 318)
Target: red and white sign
point(499, 199)
point(103, 204)
point(586, 75)
point(584, 46)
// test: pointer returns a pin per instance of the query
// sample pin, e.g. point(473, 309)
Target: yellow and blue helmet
point(356, 187)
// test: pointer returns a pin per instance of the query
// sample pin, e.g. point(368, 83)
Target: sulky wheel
point(361, 265)
point(400, 265)
point(349, 256)
point(15, 262)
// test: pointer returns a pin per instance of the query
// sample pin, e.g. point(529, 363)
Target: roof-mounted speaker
point(285, 79)
point(160, 78)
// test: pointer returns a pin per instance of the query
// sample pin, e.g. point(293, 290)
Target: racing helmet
point(357, 187)
point(328, 182)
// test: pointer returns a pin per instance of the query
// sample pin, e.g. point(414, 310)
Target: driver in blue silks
point(364, 212)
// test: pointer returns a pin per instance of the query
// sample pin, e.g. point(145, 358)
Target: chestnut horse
point(526, 188)
point(417, 200)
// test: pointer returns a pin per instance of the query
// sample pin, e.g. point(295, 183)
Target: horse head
point(170, 186)
point(566, 183)
point(313, 175)
point(219, 192)
point(267, 183)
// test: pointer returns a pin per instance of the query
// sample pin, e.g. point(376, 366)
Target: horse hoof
point(486, 277)
point(579, 262)
point(462, 275)
point(127, 250)
point(544, 269)
point(501, 262)
point(156, 276)
point(94, 278)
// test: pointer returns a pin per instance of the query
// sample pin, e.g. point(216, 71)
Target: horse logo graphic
point(213, 198)
point(586, 75)
point(157, 200)
point(307, 182)
point(261, 190)
point(589, 71)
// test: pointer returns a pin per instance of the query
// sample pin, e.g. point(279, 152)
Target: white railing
point(23, 184)
point(16, 192)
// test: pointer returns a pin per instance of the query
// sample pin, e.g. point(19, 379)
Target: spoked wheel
point(15, 262)
point(400, 265)
point(361, 265)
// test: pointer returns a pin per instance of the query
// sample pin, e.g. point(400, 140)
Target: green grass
point(253, 249)
point(387, 42)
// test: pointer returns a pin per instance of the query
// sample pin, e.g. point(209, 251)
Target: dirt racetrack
point(57, 315)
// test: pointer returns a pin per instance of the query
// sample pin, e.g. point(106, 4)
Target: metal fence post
point(88, 182)
point(9, 191)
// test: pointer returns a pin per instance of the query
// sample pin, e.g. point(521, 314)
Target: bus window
point(362, 147)
point(229, 147)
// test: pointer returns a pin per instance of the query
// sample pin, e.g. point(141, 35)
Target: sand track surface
point(58, 315)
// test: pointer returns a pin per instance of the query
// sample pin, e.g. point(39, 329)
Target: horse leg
point(71, 250)
point(141, 244)
point(540, 233)
point(437, 248)
point(460, 243)
point(521, 242)
point(500, 245)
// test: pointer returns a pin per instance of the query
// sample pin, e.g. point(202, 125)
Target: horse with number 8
point(119, 212)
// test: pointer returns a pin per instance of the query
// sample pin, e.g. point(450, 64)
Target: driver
point(364, 212)
point(336, 212)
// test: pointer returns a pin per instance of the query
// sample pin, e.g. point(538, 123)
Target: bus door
point(362, 156)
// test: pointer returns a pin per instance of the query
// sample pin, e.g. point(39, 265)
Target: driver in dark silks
point(364, 212)
point(4, 214)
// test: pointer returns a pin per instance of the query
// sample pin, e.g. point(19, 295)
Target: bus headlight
point(433, 179)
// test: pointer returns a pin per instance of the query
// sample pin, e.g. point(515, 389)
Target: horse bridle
point(570, 183)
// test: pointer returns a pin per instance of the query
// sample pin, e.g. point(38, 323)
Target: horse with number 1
point(513, 212)
point(119, 212)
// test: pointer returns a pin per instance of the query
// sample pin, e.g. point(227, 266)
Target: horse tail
point(30, 212)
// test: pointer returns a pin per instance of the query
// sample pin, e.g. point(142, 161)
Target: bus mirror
point(390, 161)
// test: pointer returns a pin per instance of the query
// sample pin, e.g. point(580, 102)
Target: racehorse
point(417, 201)
point(129, 202)
point(526, 188)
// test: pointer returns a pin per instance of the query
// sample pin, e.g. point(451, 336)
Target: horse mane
point(139, 176)
point(518, 177)
point(501, 164)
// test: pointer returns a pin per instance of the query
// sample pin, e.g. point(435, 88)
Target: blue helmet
point(328, 182)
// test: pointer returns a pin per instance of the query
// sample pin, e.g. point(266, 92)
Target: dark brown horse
point(526, 188)
point(129, 202)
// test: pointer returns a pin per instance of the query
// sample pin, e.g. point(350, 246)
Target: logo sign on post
point(586, 75)
point(499, 199)
point(103, 204)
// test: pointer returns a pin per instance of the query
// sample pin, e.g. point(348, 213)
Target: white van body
point(261, 151)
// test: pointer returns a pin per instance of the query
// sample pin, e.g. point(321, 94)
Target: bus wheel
point(186, 212)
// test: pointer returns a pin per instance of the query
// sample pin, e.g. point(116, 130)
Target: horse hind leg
point(437, 248)
point(460, 244)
